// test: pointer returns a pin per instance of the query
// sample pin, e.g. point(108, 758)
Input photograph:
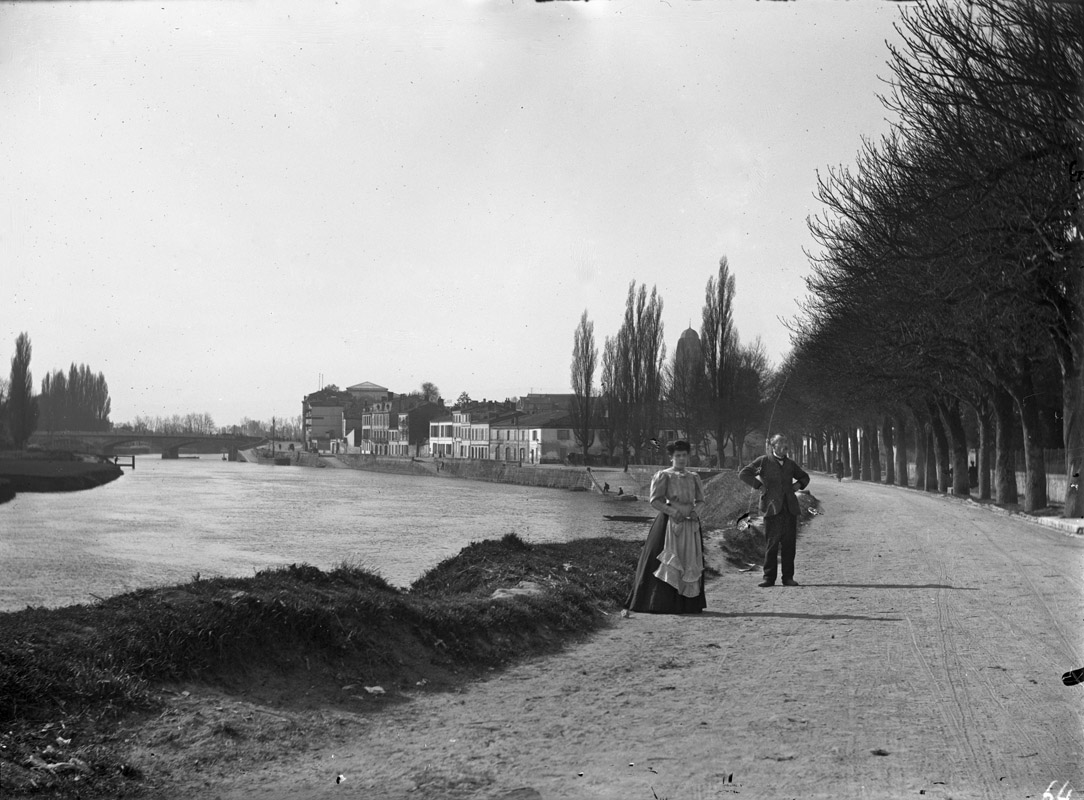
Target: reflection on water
point(167, 520)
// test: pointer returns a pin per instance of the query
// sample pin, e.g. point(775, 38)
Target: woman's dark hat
point(680, 444)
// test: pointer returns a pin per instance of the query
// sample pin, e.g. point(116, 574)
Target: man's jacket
point(776, 483)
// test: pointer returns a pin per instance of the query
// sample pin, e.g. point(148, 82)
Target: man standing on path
point(777, 477)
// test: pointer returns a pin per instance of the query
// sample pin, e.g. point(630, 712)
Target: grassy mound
point(102, 657)
point(72, 671)
point(725, 499)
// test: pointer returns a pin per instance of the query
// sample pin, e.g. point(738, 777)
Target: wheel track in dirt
point(960, 711)
point(957, 710)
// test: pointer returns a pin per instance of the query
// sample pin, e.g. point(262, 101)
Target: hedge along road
point(922, 655)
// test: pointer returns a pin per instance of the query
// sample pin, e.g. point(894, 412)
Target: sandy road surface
point(922, 656)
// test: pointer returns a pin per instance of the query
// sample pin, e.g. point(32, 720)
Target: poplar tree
point(582, 407)
point(719, 343)
point(22, 408)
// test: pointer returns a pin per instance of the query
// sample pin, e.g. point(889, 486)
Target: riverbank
point(52, 472)
point(90, 693)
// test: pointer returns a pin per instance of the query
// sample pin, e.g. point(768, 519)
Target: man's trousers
point(781, 531)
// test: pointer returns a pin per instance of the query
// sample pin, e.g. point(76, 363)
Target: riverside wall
point(490, 471)
point(634, 481)
point(501, 472)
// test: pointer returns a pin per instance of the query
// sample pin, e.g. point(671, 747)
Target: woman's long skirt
point(651, 595)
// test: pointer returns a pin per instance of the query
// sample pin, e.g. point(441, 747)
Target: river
point(167, 520)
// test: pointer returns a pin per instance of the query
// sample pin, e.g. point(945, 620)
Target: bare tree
point(22, 407)
point(747, 392)
point(582, 407)
point(430, 392)
point(993, 88)
point(641, 353)
point(610, 418)
point(78, 401)
point(718, 338)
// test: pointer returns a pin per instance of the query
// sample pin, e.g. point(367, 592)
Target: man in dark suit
point(777, 477)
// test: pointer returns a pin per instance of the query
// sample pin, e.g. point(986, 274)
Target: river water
point(167, 520)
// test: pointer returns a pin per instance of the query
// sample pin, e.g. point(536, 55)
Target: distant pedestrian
point(776, 475)
point(620, 491)
point(839, 469)
point(972, 475)
point(605, 488)
point(669, 577)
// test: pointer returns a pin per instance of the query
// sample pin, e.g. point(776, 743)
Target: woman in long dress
point(669, 576)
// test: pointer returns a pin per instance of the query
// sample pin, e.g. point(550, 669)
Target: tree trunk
point(941, 448)
point(1005, 491)
point(931, 459)
point(950, 414)
point(874, 453)
point(864, 454)
point(856, 458)
point(902, 478)
point(1073, 430)
point(920, 451)
point(886, 436)
point(1035, 467)
point(986, 447)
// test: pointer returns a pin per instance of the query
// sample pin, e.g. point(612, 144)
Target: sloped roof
point(366, 386)
point(545, 419)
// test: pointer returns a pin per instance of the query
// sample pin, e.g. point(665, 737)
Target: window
point(562, 433)
point(534, 436)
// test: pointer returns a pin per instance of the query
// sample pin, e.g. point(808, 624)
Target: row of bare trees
point(712, 390)
point(284, 428)
point(200, 423)
point(949, 291)
point(78, 401)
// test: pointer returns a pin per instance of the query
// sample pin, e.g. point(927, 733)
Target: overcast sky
point(217, 203)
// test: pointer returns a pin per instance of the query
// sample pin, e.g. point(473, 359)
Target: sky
point(223, 206)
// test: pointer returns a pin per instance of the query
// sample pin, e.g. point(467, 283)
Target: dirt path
point(922, 655)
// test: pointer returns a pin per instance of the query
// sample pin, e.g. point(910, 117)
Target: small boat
point(627, 518)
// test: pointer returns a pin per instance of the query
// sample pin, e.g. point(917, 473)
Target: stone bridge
point(105, 443)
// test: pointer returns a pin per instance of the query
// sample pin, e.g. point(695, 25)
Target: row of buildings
point(536, 429)
point(370, 419)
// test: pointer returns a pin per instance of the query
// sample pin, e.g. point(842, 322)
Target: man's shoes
point(790, 582)
point(766, 584)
